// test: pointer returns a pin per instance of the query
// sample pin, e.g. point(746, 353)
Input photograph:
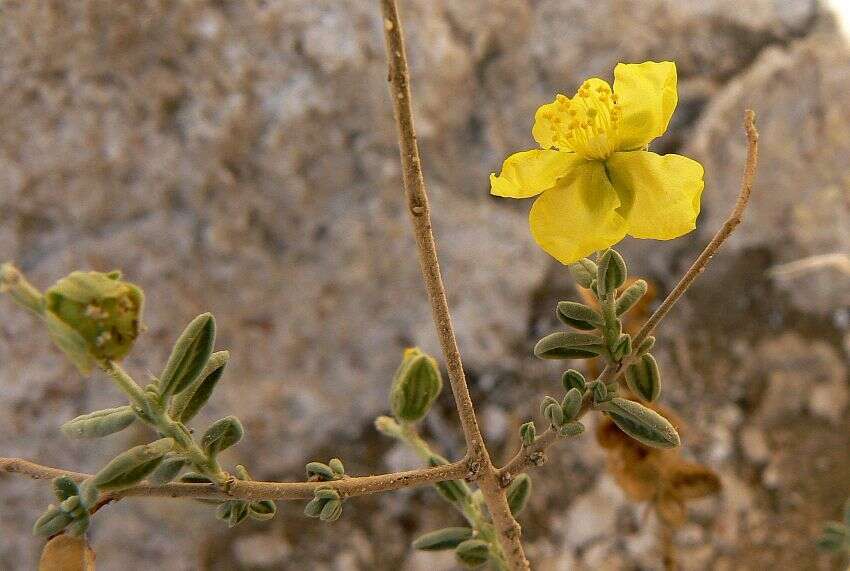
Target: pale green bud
point(416, 384)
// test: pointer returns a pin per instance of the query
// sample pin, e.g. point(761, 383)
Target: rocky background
point(239, 157)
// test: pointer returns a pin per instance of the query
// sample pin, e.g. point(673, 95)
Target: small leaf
point(473, 553)
point(99, 423)
point(518, 493)
point(337, 467)
point(331, 511)
point(187, 403)
point(238, 513)
point(562, 345)
point(66, 553)
point(572, 379)
point(416, 385)
point(222, 434)
point(645, 346)
point(579, 315)
point(611, 273)
point(453, 491)
point(554, 414)
point(64, 487)
point(622, 348)
point(262, 510)
point(446, 538)
point(51, 522)
point(642, 424)
point(132, 466)
point(571, 429)
point(643, 378)
point(167, 470)
point(320, 470)
point(189, 356)
point(528, 433)
point(571, 404)
point(584, 272)
point(630, 296)
point(314, 507)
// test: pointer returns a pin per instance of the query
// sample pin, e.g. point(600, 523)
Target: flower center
point(588, 122)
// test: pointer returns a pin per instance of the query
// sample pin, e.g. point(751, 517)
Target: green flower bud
point(473, 553)
point(572, 379)
point(447, 538)
point(93, 316)
point(528, 433)
point(416, 384)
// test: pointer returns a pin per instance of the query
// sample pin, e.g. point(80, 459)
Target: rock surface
point(240, 158)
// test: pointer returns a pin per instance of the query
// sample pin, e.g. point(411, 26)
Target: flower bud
point(417, 383)
point(93, 316)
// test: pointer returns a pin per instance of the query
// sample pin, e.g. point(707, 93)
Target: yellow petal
point(529, 173)
point(548, 124)
point(578, 216)
point(660, 194)
point(646, 94)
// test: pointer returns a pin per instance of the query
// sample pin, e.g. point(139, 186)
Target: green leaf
point(642, 424)
point(337, 467)
point(453, 491)
point(579, 315)
point(446, 538)
point(320, 470)
point(583, 272)
point(644, 378)
point(572, 379)
point(314, 507)
point(262, 510)
point(562, 345)
point(630, 296)
point(132, 466)
point(571, 429)
point(611, 273)
point(189, 356)
point(331, 511)
point(51, 522)
point(188, 402)
point(473, 553)
point(528, 433)
point(518, 493)
point(571, 404)
point(64, 487)
point(167, 470)
point(222, 434)
point(99, 423)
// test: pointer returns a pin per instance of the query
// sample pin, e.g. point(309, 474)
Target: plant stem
point(24, 294)
point(417, 201)
point(255, 490)
point(159, 419)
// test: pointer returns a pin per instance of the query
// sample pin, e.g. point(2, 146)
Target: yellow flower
point(596, 180)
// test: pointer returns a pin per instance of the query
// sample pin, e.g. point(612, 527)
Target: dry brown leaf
point(67, 553)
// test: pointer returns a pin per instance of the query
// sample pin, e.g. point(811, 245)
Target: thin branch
point(417, 203)
point(245, 490)
point(533, 455)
